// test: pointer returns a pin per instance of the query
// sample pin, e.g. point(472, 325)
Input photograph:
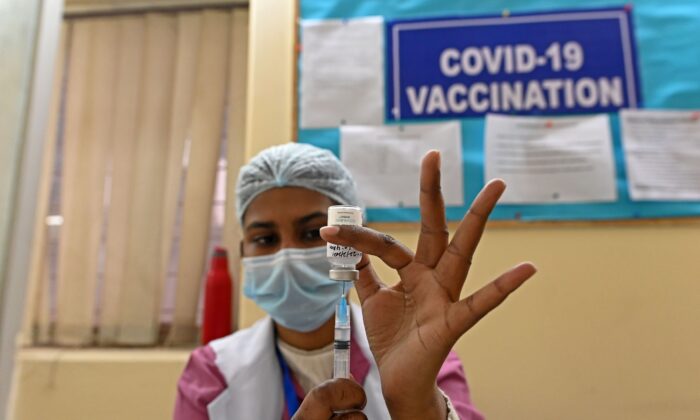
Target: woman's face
point(288, 217)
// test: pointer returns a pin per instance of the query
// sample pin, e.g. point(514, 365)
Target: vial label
point(340, 251)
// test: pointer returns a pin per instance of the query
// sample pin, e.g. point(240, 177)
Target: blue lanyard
point(290, 394)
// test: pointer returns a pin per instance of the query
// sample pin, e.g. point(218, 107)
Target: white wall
point(18, 20)
point(28, 36)
point(18, 23)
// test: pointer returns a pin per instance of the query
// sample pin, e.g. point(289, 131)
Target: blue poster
point(663, 42)
point(533, 63)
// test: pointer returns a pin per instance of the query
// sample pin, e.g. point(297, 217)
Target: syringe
point(341, 345)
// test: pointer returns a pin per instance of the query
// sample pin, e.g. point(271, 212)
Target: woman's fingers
point(433, 233)
point(329, 397)
point(457, 258)
point(467, 312)
point(368, 283)
point(369, 241)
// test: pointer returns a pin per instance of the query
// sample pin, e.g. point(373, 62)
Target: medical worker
point(401, 358)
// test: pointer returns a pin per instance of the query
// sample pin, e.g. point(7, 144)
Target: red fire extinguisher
point(216, 322)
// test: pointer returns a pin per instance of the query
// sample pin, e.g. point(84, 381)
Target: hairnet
point(295, 165)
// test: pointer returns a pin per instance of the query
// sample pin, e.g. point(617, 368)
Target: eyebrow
point(260, 225)
point(302, 220)
point(309, 217)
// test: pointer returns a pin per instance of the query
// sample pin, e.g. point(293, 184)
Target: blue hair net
point(295, 165)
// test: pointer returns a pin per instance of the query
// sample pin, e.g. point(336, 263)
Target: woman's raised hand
point(412, 325)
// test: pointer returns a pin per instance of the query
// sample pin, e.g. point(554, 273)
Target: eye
point(264, 240)
point(312, 235)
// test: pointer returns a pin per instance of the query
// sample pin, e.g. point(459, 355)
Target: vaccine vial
point(343, 259)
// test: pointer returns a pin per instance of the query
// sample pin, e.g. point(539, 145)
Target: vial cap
point(344, 275)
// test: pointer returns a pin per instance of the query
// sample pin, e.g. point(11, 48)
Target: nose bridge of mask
point(307, 254)
point(264, 274)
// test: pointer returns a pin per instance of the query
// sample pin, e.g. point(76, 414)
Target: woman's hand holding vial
point(412, 325)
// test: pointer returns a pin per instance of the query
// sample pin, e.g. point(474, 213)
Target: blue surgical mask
point(292, 286)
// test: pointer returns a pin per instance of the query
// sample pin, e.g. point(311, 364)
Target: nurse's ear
point(240, 249)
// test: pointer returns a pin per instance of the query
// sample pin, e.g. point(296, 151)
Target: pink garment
point(453, 382)
point(201, 382)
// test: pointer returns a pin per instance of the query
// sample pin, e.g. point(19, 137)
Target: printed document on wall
point(551, 160)
point(662, 154)
point(342, 72)
point(385, 161)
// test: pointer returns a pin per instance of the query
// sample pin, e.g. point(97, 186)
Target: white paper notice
point(385, 161)
point(342, 72)
point(551, 160)
point(662, 154)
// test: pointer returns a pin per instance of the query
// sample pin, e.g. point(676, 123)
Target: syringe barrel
point(341, 358)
